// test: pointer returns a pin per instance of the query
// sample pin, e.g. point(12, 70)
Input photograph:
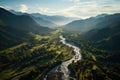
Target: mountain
point(16, 13)
point(14, 29)
point(22, 22)
point(93, 22)
point(59, 20)
point(38, 19)
point(28, 51)
point(100, 50)
point(100, 54)
point(105, 38)
point(44, 22)
point(101, 15)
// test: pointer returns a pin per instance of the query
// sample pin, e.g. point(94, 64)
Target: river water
point(62, 71)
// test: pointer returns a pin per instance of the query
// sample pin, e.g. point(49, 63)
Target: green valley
point(36, 59)
point(36, 46)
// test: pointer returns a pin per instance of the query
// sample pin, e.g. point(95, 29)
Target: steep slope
point(38, 19)
point(22, 22)
point(100, 53)
point(14, 29)
point(105, 38)
point(94, 22)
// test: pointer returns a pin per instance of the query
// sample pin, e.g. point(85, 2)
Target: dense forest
point(100, 53)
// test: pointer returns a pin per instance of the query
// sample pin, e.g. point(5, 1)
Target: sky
point(68, 8)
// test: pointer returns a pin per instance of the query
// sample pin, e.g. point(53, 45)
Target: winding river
point(61, 71)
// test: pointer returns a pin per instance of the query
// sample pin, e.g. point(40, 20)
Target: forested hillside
point(100, 53)
point(99, 21)
point(15, 29)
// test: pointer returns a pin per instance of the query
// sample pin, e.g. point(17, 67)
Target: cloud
point(76, 1)
point(88, 9)
point(43, 10)
point(23, 8)
point(84, 9)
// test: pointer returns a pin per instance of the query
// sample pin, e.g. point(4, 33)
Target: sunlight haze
point(68, 8)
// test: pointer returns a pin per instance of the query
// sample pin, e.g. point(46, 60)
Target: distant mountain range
point(15, 28)
point(93, 22)
point(48, 21)
point(59, 20)
point(102, 30)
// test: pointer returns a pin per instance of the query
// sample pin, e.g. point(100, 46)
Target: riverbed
point(61, 71)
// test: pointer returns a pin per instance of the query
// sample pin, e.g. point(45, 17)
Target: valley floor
point(33, 59)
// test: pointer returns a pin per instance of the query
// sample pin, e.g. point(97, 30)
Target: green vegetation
point(15, 29)
point(32, 60)
point(28, 51)
point(98, 62)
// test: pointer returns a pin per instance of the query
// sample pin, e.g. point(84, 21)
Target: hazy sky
point(70, 8)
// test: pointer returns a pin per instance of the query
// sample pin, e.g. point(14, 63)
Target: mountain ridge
point(92, 22)
point(14, 29)
point(55, 20)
